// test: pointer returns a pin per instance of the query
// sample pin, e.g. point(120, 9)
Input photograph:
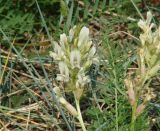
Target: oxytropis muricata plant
point(148, 66)
point(74, 55)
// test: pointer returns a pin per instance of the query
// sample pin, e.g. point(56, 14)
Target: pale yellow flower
point(64, 72)
point(63, 40)
point(146, 26)
point(83, 36)
point(82, 80)
point(71, 33)
point(75, 58)
point(58, 53)
point(92, 52)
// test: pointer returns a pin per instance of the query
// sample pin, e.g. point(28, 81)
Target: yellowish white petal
point(92, 52)
point(83, 36)
point(95, 60)
point(149, 17)
point(63, 40)
point(64, 72)
point(53, 55)
point(75, 58)
point(71, 33)
point(142, 25)
point(57, 91)
point(82, 80)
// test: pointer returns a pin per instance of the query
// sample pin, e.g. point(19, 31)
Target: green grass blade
point(69, 17)
point(86, 10)
point(95, 7)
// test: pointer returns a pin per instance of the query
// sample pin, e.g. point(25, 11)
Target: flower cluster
point(150, 51)
point(148, 65)
point(74, 54)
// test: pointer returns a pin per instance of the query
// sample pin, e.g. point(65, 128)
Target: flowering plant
point(148, 66)
point(74, 55)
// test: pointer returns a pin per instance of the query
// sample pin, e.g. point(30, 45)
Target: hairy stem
point(133, 119)
point(80, 115)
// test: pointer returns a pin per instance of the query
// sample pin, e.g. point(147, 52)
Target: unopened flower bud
point(140, 109)
point(131, 93)
point(68, 106)
point(154, 70)
point(78, 93)
point(57, 91)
